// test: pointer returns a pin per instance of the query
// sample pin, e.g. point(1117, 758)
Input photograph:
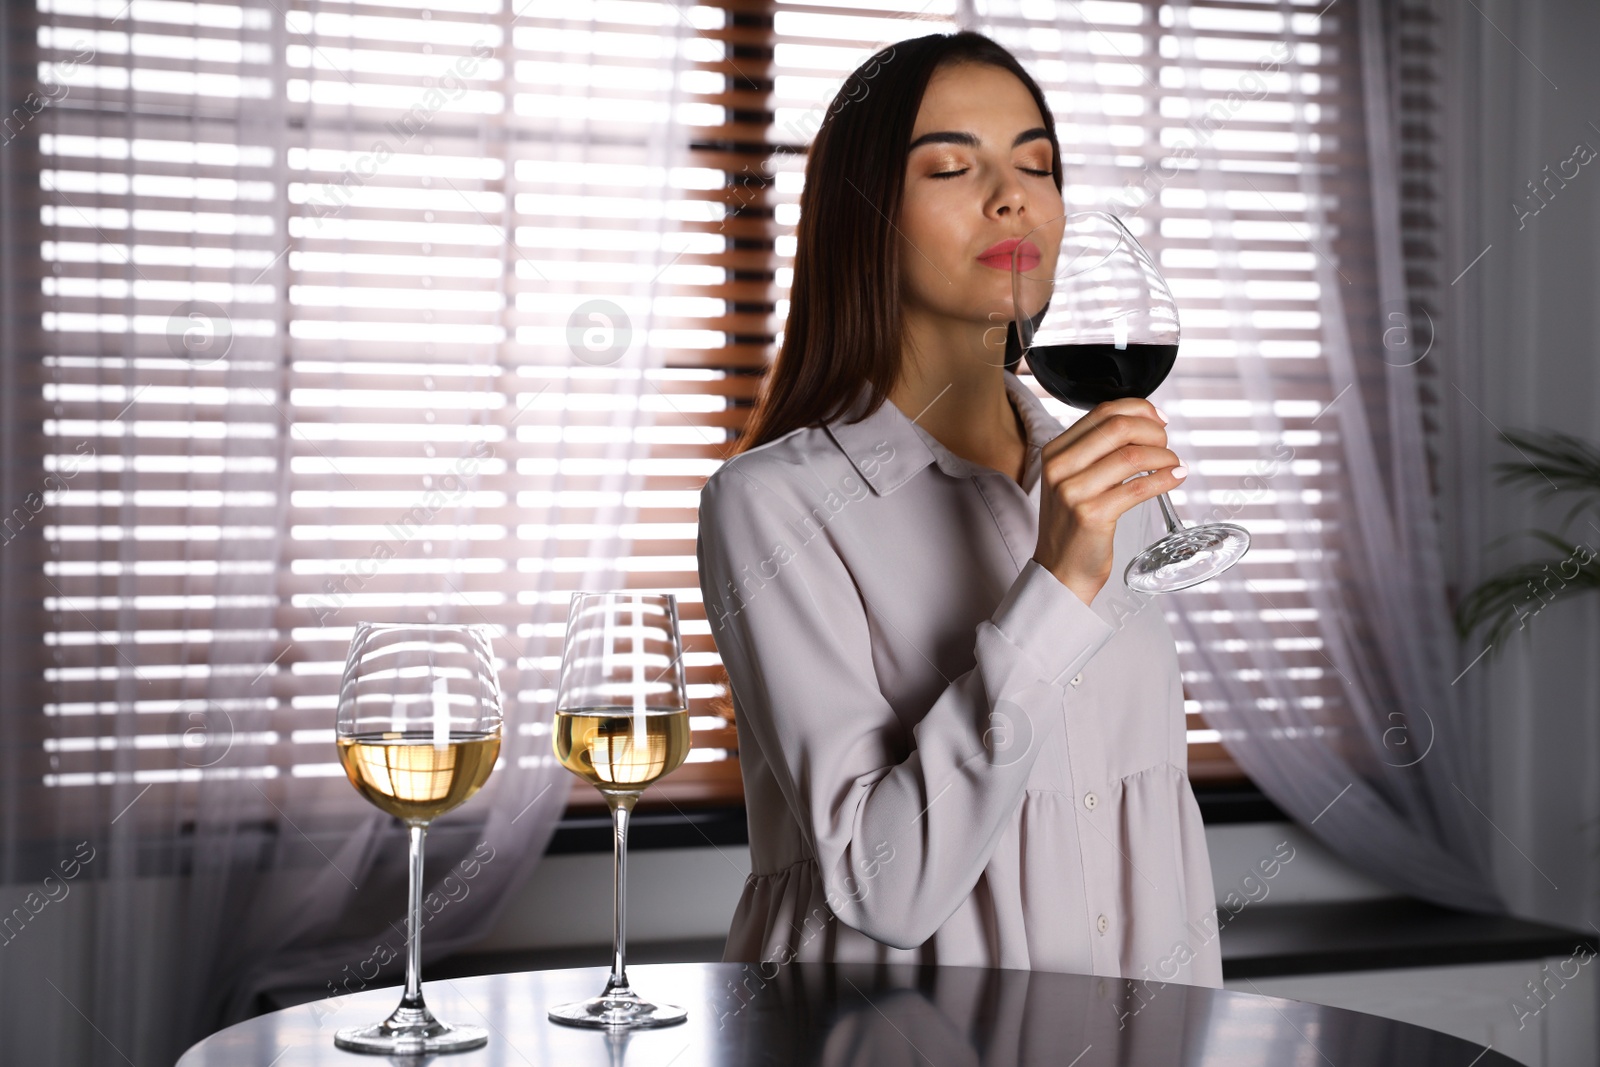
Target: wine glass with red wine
point(1097, 322)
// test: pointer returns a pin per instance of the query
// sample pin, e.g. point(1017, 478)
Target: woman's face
point(979, 171)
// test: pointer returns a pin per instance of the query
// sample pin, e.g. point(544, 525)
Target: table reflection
point(855, 1015)
point(973, 1017)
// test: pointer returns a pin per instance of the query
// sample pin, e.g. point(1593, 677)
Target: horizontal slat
point(693, 785)
point(533, 243)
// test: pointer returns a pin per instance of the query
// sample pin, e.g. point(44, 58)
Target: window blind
point(344, 261)
point(382, 192)
point(1131, 99)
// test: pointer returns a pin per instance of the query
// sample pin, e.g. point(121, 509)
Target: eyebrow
point(971, 140)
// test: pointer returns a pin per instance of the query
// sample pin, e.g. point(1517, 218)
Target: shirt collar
point(887, 448)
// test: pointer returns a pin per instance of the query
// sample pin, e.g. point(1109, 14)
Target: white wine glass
point(622, 722)
point(1097, 322)
point(418, 732)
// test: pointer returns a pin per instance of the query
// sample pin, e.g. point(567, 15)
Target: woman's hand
point(1086, 486)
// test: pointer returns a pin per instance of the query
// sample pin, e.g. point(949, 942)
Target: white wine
point(406, 776)
point(600, 746)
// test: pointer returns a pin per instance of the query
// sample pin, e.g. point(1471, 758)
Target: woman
point(962, 739)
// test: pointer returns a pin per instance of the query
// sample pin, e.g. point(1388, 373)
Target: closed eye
point(963, 170)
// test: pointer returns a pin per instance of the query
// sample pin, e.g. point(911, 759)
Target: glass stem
point(621, 808)
point(413, 995)
point(1174, 524)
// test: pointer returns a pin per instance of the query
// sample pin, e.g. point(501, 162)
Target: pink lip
point(998, 256)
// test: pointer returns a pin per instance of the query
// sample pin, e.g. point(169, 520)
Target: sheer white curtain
point(1394, 794)
point(1326, 660)
point(318, 344)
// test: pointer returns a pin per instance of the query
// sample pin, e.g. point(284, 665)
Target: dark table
point(859, 1014)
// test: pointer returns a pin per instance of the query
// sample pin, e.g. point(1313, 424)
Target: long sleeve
point(900, 837)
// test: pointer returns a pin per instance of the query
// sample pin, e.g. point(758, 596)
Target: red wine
point(1088, 374)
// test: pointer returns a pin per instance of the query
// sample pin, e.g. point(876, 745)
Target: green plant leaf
point(1510, 598)
point(1551, 464)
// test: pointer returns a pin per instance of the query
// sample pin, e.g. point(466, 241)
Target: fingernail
point(1163, 414)
point(1180, 471)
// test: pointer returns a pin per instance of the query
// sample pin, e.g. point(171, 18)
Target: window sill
point(589, 831)
point(1371, 935)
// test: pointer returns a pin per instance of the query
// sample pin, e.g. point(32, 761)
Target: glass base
point(617, 1010)
point(1187, 557)
point(409, 1032)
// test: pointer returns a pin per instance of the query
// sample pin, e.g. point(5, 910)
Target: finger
point(1099, 415)
point(1131, 413)
point(1118, 466)
point(1106, 427)
point(1114, 432)
point(1137, 490)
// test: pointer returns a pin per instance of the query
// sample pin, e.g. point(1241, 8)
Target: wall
point(47, 973)
point(681, 894)
point(1469, 1002)
point(1520, 347)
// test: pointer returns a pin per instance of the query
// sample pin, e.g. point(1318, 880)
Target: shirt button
point(1101, 923)
point(1090, 801)
point(1076, 678)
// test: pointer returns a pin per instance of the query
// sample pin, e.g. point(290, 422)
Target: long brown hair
point(844, 324)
